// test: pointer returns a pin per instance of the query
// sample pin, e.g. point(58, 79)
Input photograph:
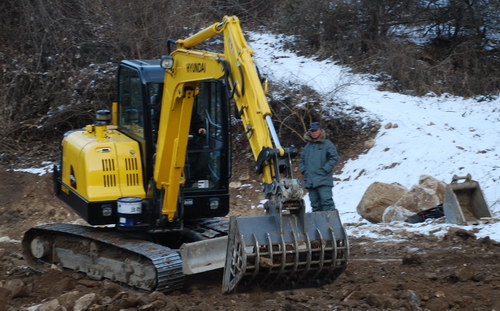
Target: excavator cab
point(204, 192)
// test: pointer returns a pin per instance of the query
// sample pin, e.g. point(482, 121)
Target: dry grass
point(58, 56)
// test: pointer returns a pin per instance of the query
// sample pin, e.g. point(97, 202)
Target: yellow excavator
point(151, 177)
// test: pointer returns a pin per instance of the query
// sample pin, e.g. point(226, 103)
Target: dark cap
point(314, 126)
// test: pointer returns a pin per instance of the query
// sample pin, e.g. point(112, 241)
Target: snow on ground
point(440, 136)
point(46, 168)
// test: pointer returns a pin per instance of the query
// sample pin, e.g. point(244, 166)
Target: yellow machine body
point(101, 165)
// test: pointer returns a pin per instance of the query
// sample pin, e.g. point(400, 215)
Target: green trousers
point(321, 198)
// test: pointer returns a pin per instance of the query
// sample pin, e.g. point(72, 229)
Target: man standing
point(316, 165)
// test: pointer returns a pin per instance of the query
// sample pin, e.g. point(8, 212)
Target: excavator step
point(103, 253)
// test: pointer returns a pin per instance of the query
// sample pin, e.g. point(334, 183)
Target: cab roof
point(149, 69)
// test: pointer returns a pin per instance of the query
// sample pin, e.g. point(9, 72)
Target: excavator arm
point(187, 68)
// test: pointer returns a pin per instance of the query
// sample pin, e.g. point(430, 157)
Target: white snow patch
point(6, 239)
point(47, 168)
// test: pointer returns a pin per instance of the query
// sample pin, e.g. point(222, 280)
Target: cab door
point(207, 166)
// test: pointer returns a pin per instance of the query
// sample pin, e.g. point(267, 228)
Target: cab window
point(203, 166)
point(131, 102)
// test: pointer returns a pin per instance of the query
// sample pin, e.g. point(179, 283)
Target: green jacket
point(317, 161)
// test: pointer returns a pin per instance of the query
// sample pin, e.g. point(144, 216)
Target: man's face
point(315, 134)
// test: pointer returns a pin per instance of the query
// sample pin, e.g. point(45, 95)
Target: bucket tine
point(282, 252)
point(271, 257)
point(257, 258)
point(334, 253)
point(308, 258)
point(296, 260)
point(283, 256)
point(321, 254)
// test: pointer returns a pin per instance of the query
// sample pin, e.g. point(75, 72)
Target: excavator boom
point(286, 244)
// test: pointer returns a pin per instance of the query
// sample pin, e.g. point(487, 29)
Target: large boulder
point(396, 213)
point(432, 183)
point(377, 198)
point(418, 198)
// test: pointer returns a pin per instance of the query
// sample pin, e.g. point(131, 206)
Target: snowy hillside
point(437, 136)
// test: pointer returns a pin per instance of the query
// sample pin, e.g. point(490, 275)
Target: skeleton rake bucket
point(285, 250)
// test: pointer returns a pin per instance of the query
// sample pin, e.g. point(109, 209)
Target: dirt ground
point(457, 272)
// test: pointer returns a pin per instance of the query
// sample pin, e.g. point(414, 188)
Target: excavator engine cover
point(291, 249)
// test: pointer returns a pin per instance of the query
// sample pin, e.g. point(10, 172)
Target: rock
point(120, 295)
point(388, 126)
point(68, 299)
point(369, 143)
point(244, 175)
point(377, 198)
point(110, 289)
point(156, 296)
point(432, 183)
point(104, 300)
point(97, 308)
point(17, 288)
point(418, 198)
point(51, 305)
point(55, 267)
point(413, 300)
point(266, 262)
point(396, 213)
point(375, 300)
point(127, 301)
point(465, 273)
point(155, 305)
point(431, 275)
point(235, 184)
point(170, 304)
point(83, 303)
